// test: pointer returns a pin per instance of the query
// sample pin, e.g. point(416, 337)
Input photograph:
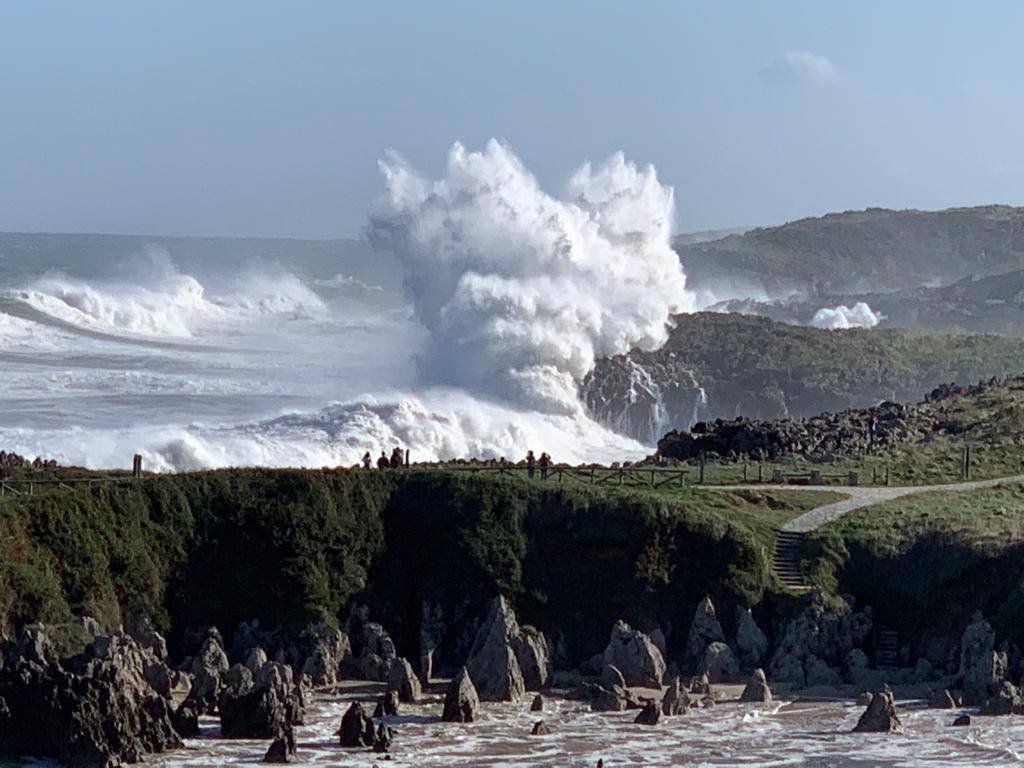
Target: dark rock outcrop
point(704, 630)
point(540, 729)
point(356, 727)
point(649, 715)
point(982, 668)
point(493, 664)
point(757, 689)
point(1007, 700)
point(382, 738)
point(94, 709)
point(719, 663)
point(880, 716)
point(377, 654)
point(635, 656)
point(209, 667)
point(815, 644)
point(329, 649)
point(461, 702)
point(751, 642)
point(403, 680)
point(260, 705)
point(282, 749)
point(962, 720)
point(538, 703)
point(700, 684)
point(676, 700)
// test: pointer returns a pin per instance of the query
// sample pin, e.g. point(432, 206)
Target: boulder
point(378, 653)
point(382, 738)
point(704, 629)
point(751, 642)
point(719, 663)
point(540, 729)
point(263, 705)
point(208, 669)
point(461, 701)
point(1007, 700)
point(981, 667)
point(635, 656)
point(534, 657)
point(757, 689)
point(942, 700)
point(962, 720)
point(403, 680)
point(880, 716)
point(282, 749)
point(700, 684)
point(96, 708)
point(388, 705)
point(257, 658)
point(492, 664)
point(328, 648)
point(611, 676)
point(676, 700)
point(649, 715)
point(356, 727)
point(538, 703)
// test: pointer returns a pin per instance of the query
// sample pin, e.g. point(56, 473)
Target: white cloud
point(800, 67)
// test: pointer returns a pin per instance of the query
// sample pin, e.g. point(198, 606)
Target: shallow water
point(728, 734)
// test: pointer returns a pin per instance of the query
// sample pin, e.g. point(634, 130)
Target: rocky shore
point(118, 697)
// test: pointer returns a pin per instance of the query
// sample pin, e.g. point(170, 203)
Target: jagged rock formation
point(282, 749)
point(96, 708)
point(719, 664)
point(260, 705)
point(356, 728)
point(378, 652)
point(649, 715)
point(815, 643)
point(461, 701)
point(1007, 700)
point(493, 664)
point(704, 630)
point(635, 656)
point(757, 689)
point(982, 668)
point(676, 700)
point(540, 729)
point(880, 716)
point(404, 681)
point(751, 642)
point(330, 649)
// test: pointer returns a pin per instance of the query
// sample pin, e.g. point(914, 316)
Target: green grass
point(989, 519)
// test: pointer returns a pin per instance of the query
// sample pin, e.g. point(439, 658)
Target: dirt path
point(861, 496)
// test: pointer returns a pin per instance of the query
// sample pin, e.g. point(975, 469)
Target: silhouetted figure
point(367, 460)
point(530, 463)
point(382, 462)
point(545, 463)
point(396, 458)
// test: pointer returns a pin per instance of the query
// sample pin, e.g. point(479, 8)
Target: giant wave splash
point(514, 295)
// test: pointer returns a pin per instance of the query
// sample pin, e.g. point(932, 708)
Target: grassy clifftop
point(293, 546)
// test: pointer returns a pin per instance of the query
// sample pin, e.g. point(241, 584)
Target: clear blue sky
point(267, 118)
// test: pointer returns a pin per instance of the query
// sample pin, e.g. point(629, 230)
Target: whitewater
point(462, 330)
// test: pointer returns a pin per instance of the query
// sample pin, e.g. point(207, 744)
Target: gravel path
point(861, 496)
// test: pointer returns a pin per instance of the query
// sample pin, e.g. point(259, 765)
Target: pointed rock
point(704, 629)
point(405, 681)
point(880, 716)
point(719, 664)
point(282, 749)
point(461, 701)
point(751, 642)
point(649, 715)
point(676, 700)
point(356, 727)
point(635, 656)
point(538, 703)
point(757, 689)
point(540, 729)
point(493, 665)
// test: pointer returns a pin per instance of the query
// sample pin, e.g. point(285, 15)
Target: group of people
point(544, 463)
point(383, 462)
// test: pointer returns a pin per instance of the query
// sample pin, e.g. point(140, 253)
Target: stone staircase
point(887, 648)
point(786, 559)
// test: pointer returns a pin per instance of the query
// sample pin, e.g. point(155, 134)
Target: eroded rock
point(757, 689)
point(635, 656)
point(461, 701)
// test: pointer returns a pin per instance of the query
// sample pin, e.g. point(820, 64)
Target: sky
point(267, 119)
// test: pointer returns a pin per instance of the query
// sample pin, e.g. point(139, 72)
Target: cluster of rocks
point(829, 436)
point(108, 704)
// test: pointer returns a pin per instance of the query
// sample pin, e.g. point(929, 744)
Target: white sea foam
point(860, 315)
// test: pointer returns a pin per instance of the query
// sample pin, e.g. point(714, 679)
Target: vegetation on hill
point(294, 546)
point(754, 367)
point(870, 250)
point(927, 562)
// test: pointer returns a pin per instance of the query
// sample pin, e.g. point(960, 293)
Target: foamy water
point(224, 359)
point(728, 734)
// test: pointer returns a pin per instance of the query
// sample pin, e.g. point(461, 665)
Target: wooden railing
point(639, 477)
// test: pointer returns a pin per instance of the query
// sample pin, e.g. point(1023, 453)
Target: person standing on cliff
point(367, 460)
point(382, 461)
point(530, 462)
point(545, 463)
point(396, 458)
